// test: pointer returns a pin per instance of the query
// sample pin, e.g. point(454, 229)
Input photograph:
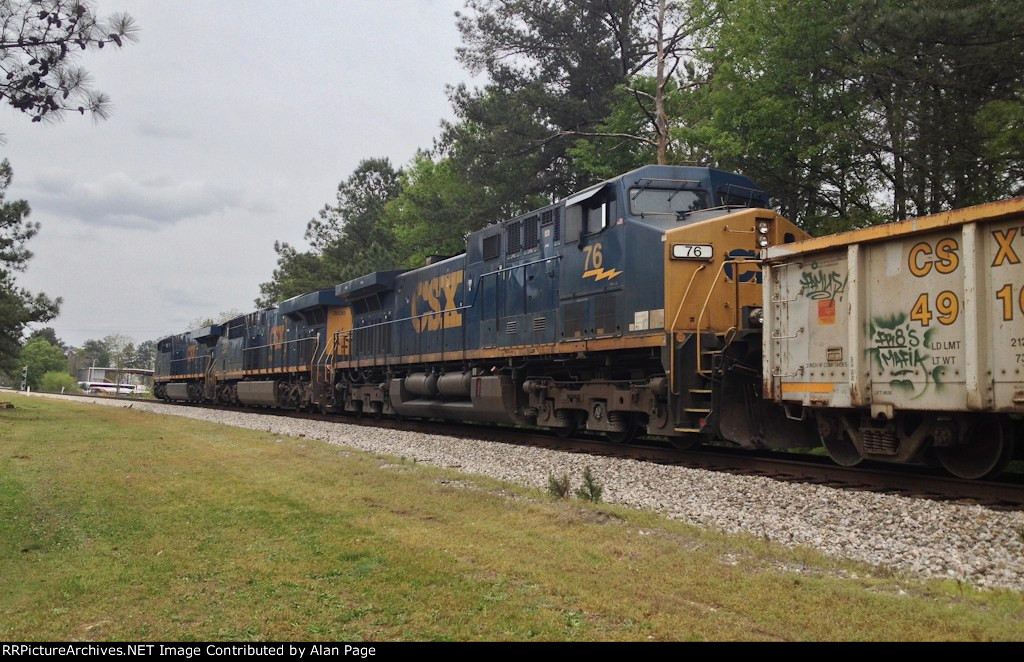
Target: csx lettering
point(944, 259)
point(1005, 252)
point(428, 299)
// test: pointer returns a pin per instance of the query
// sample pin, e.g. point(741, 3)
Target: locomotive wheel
point(837, 443)
point(685, 442)
point(567, 432)
point(988, 449)
point(573, 427)
point(627, 435)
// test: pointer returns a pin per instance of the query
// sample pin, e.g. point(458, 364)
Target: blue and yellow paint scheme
point(601, 289)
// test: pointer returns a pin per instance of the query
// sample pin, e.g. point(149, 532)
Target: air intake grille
point(604, 314)
point(574, 316)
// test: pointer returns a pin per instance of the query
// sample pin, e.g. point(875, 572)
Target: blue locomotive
point(634, 306)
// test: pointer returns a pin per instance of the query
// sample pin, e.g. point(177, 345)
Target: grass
point(117, 524)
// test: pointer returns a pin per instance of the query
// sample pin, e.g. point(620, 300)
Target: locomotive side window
point(733, 200)
point(597, 219)
point(366, 305)
point(492, 246)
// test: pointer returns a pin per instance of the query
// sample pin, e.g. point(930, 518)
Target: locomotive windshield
point(670, 201)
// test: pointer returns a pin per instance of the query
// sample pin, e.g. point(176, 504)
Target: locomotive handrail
point(277, 354)
point(524, 264)
point(707, 300)
point(316, 346)
point(679, 311)
point(283, 342)
point(672, 331)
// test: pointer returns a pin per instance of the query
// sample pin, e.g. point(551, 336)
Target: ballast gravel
point(974, 544)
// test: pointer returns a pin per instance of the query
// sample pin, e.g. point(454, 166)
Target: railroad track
point(1006, 493)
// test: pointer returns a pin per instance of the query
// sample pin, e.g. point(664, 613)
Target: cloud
point(164, 131)
point(123, 200)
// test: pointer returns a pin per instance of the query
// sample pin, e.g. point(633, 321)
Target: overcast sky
point(233, 123)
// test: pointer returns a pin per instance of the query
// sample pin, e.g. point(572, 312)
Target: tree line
point(41, 42)
point(52, 364)
point(848, 112)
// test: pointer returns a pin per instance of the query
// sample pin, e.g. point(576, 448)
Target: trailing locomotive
point(634, 306)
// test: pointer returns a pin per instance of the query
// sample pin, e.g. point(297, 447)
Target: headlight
point(763, 227)
point(762, 240)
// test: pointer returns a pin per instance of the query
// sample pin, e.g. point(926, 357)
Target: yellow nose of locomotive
point(713, 269)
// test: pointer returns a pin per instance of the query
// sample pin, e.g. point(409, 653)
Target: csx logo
point(748, 273)
point(436, 296)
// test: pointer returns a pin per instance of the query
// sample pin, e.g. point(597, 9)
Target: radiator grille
point(604, 314)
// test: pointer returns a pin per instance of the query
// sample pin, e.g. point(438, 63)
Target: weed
point(591, 490)
point(558, 486)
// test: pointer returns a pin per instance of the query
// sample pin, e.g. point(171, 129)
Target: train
point(671, 302)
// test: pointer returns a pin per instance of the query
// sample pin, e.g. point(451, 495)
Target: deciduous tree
point(40, 357)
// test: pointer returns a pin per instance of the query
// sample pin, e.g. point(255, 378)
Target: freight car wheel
point(988, 449)
point(837, 442)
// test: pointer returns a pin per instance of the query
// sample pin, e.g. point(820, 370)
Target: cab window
point(664, 201)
